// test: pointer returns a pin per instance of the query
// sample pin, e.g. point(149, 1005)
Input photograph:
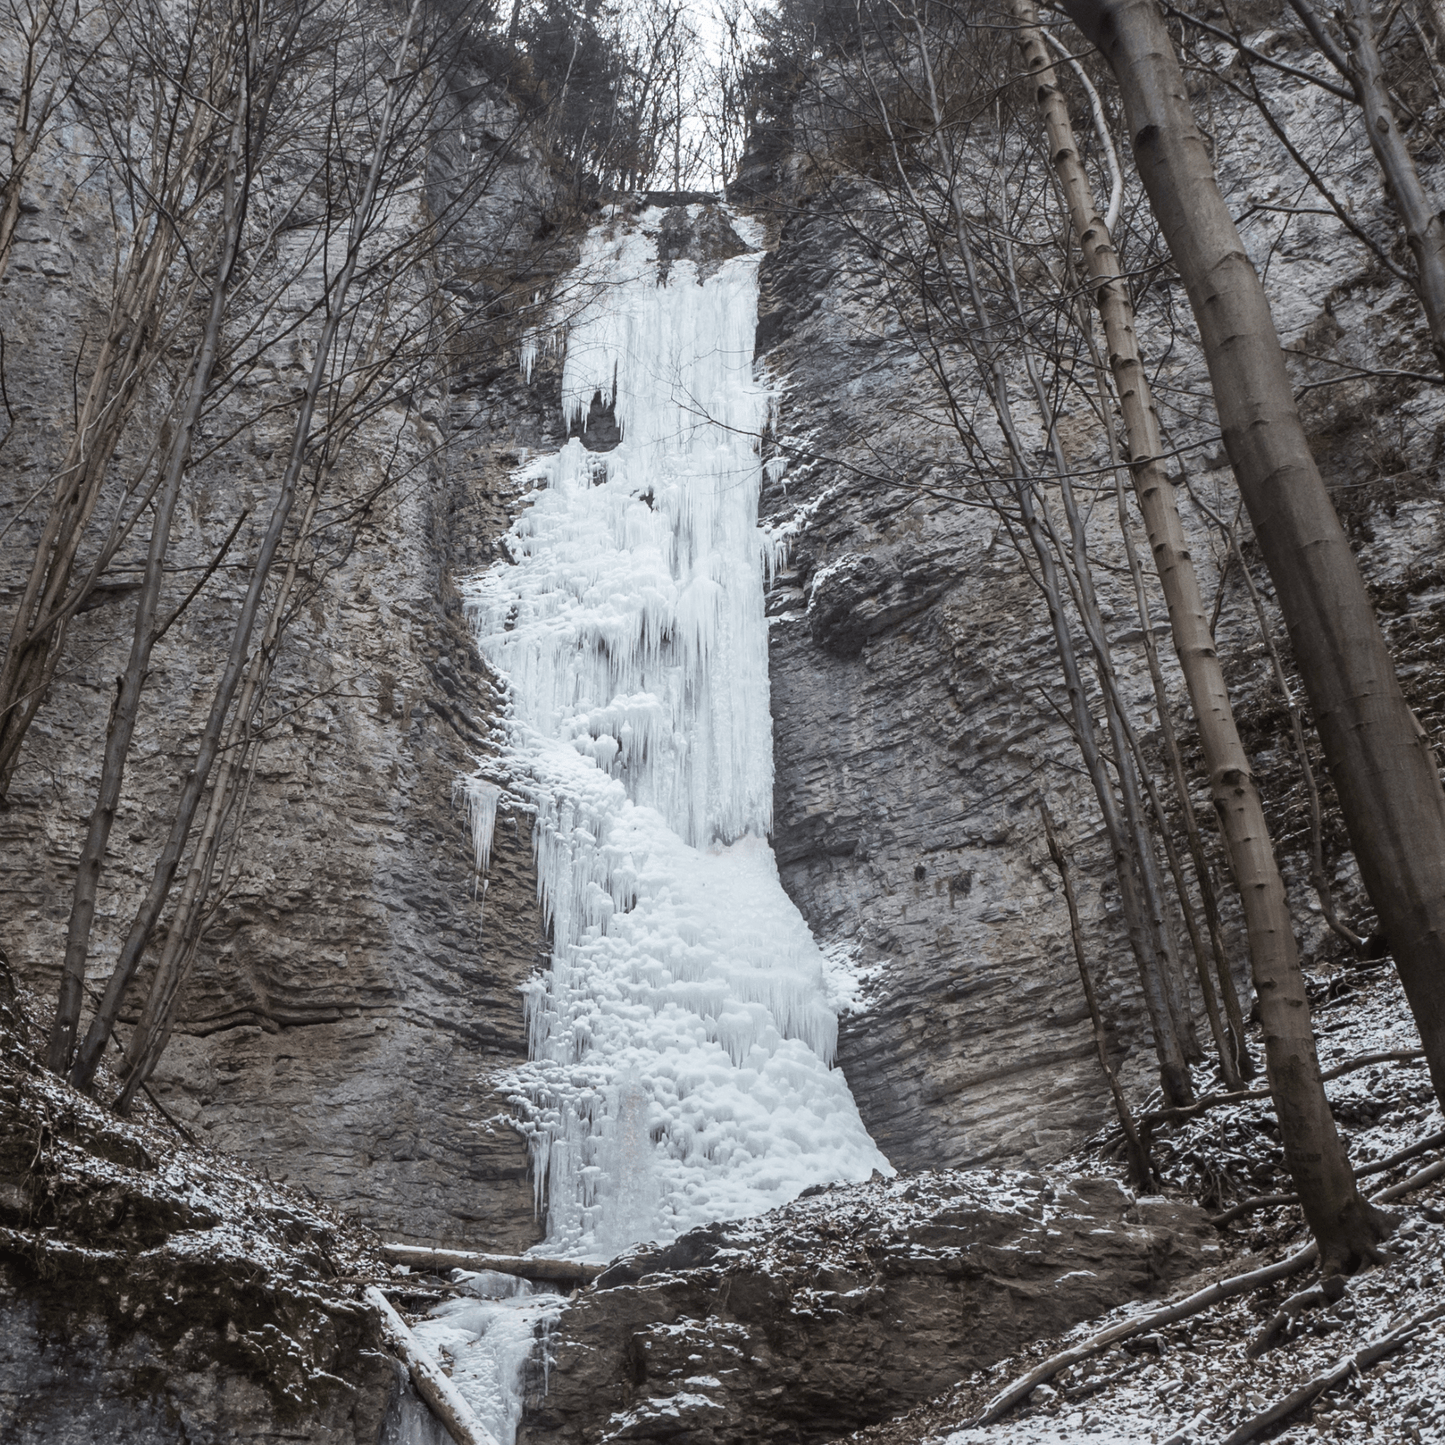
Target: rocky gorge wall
point(910, 651)
point(358, 993)
point(357, 997)
point(353, 999)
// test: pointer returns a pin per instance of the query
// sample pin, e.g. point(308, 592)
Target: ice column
point(682, 1041)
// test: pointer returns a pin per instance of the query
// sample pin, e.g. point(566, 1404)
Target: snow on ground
point(1193, 1382)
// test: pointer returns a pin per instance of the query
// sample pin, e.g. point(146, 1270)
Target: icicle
point(481, 804)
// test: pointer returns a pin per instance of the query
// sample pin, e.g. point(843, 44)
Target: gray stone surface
point(910, 655)
point(355, 1001)
point(79, 1384)
point(847, 1307)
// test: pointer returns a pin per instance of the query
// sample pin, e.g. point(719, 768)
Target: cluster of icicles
point(682, 1041)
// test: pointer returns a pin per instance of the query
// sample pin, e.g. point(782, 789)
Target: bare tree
point(163, 133)
point(381, 328)
point(1358, 61)
point(228, 96)
point(928, 269)
point(56, 45)
point(1316, 1158)
point(1380, 760)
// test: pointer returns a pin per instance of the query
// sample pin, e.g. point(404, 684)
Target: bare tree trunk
point(132, 681)
point(1423, 223)
point(1390, 791)
point(1141, 1171)
point(1230, 1039)
point(126, 357)
point(46, 77)
point(146, 309)
point(1139, 914)
point(1173, 1066)
point(1318, 878)
point(1234, 1051)
point(151, 1034)
point(148, 914)
point(1128, 755)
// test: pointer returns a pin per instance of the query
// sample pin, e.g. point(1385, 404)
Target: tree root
point(1326, 1292)
point(1426, 1176)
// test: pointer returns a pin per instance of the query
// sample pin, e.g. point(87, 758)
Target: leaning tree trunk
point(1424, 225)
point(1340, 1219)
point(1360, 64)
point(1379, 758)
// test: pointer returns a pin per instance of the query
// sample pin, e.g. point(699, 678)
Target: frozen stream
point(682, 1043)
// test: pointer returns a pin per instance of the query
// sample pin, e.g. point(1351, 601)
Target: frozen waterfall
point(682, 1042)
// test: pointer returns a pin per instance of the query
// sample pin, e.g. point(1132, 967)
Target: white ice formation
point(681, 1043)
point(485, 1336)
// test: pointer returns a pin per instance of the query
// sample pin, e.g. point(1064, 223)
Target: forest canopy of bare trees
point(1033, 201)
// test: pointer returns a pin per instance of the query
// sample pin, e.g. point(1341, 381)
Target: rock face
point(847, 1307)
point(355, 1000)
point(908, 649)
point(911, 657)
point(153, 1292)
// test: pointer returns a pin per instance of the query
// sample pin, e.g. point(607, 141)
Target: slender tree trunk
point(1318, 877)
point(135, 340)
point(151, 1034)
point(149, 912)
point(1138, 915)
point(1388, 785)
point(1233, 1047)
point(1173, 1067)
point(1234, 1054)
point(1132, 784)
point(132, 681)
point(1423, 224)
point(1141, 1171)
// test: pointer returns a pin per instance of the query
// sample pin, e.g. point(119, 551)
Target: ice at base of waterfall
point(485, 1337)
point(681, 1052)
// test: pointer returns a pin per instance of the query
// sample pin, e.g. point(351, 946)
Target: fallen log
point(441, 1396)
point(1020, 1389)
point(553, 1271)
point(1337, 1374)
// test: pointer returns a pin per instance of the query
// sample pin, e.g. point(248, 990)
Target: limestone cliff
point(911, 652)
point(355, 996)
